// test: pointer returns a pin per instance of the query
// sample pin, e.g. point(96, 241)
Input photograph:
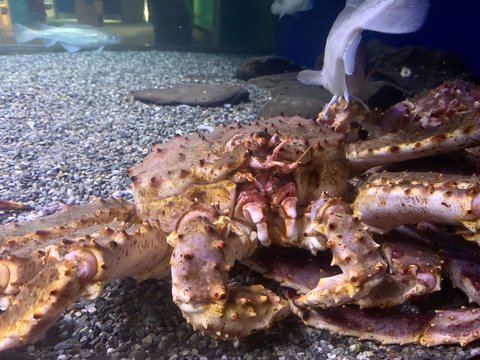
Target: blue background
point(451, 25)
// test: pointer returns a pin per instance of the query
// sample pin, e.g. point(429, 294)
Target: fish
point(290, 7)
point(71, 37)
point(341, 75)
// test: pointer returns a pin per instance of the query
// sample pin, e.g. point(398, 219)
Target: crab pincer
point(203, 254)
point(353, 250)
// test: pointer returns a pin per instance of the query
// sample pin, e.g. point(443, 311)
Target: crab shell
point(191, 183)
point(199, 168)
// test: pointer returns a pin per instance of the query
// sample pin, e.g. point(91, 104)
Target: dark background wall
point(452, 25)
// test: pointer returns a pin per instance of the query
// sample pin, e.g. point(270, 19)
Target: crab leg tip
point(8, 342)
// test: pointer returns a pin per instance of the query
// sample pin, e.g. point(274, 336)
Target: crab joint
point(85, 262)
point(476, 205)
point(429, 279)
point(4, 276)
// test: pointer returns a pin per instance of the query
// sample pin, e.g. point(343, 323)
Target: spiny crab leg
point(394, 326)
point(36, 307)
point(24, 245)
point(353, 250)
point(199, 278)
point(461, 132)
point(71, 265)
point(384, 325)
point(432, 107)
point(387, 200)
point(29, 234)
point(414, 270)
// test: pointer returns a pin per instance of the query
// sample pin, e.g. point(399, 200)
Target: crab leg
point(461, 132)
point(432, 328)
point(71, 265)
point(384, 325)
point(203, 254)
point(32, 233)
point(387, 200)
point(23, 245)
point(36, 307)
point(414, 270)
point(458, 326)
point(353, 250)
point(462, 260)
point(464, 275)
point(395, 326)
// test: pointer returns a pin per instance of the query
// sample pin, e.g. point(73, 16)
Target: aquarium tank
point(239, 179)
point(235, 25)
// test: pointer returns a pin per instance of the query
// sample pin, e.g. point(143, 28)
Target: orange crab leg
point(387, 200)
point(51, 268)
point(461, 132)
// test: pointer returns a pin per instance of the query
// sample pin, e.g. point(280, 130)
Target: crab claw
point(461, 260)
point(353, 250)
point(415, 270)
point(200, 262)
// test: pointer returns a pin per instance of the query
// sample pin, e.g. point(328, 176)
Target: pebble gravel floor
point(68, 129)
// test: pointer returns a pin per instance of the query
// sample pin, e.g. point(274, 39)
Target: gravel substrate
point(68, 129)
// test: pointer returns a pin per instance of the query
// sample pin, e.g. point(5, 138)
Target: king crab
point(203, 202)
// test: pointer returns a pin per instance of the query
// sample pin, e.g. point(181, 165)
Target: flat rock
point(194, 94)
point(288, 85)
point(307, 108)
point(265, 65)
point(290, 97)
